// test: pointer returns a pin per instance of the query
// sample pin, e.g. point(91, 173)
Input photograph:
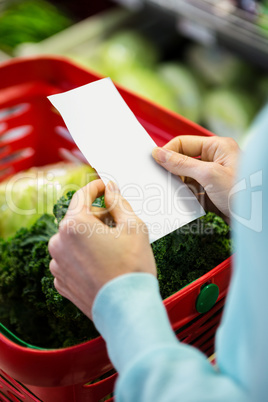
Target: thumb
point(117, 206)
point(180, 165)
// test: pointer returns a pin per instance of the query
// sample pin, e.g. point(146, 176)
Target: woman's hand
point(209, 161)
point(87, 253)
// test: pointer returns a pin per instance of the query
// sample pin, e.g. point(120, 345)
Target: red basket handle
point(24, 92)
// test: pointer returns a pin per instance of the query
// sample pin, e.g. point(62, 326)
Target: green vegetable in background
point(199, 77)
point(31, 307)
point(29, 194)
point(150, 85)
point(228, 112)
point(185, 87)
point(262, 18)
point(217, 66)
point(262, 88)
point(127, 50)
point(29, 21)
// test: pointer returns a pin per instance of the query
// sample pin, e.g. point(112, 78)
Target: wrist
point(123, 307)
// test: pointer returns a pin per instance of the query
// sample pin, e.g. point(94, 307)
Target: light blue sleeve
point(242, 347)
point(153, 366)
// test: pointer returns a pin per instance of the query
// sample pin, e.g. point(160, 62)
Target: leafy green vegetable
point(125, 50)
point(146, 82)
point(191, 251)
point(29, 21)
point(99, 202)
point(217, 66)
point(185, 87)
point(228, 112)
point(60, 209)
point(31, 307)
point(29, 194)
point(262, 18)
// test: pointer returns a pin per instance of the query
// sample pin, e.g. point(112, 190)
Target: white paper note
point(119, 148)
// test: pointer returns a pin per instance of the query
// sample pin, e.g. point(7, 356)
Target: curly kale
point(191, 251)
point(60, 209)
point(33, 310)
point(30, 306)
point(99, 202)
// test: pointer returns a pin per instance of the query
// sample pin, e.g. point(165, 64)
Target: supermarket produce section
point(176, 66)
point(242, 22)
point(34, 135)
point(208, 83)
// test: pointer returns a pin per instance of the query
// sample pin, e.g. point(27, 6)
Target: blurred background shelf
point(244, 30)
point(206, 60)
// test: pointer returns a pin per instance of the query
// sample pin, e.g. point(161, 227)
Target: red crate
point(32, 133)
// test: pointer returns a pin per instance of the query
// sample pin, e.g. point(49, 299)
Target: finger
point(54, 245)
point(191, 145)
point(83, 198)
point(222, 150)
point(60, 287)
point(104, 215)
point(183, 165)
point(54, 268)
point(56, 271)
point(118, 207)
point(80, 217)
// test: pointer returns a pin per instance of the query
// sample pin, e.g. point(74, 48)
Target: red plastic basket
point(33, 134)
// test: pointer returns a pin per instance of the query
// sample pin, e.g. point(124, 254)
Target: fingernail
point(112, 186)
point(161, 154)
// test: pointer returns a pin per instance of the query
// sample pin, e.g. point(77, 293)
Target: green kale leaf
point(33, 310)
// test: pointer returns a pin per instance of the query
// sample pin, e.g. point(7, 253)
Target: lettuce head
point(29, 194)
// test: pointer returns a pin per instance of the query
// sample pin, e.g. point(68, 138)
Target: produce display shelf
point(82, 373)
point(236, 27)
point(80, 38)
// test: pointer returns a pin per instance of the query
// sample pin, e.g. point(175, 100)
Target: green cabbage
point(29, 194)
point(216, 66)
point(185, 87)
point(149, 84)
point(228, 113)
point(126, 50)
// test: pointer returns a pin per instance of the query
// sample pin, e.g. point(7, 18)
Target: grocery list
point(119, 148)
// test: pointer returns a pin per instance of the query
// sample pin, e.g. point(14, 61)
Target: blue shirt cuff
point(125, 308)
